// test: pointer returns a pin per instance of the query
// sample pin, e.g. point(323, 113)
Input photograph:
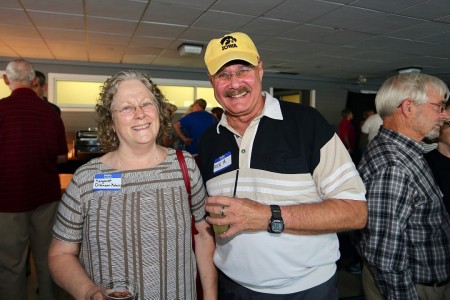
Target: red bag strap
point(187, 183)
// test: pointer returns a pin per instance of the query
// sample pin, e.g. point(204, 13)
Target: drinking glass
point(120, 289)
point(219, 229)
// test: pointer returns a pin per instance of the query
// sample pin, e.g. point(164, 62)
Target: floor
point(349, 284)
point(33, 286)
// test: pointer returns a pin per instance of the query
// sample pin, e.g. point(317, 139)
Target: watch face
point(277, 226)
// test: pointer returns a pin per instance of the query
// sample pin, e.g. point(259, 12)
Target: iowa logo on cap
point(228, 42)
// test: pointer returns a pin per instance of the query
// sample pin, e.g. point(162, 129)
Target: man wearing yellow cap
point(279, 179)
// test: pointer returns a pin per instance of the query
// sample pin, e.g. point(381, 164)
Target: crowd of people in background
point(149, 209)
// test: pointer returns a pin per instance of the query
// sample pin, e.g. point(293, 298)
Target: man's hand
point(187, 141)
point(241, 214)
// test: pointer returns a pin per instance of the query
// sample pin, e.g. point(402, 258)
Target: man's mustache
point(233, 93)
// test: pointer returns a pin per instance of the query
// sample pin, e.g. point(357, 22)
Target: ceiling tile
point(203, 4)
point(7, 51)
point(108, 39)
point(138, 59)
point(268, 26)
point(429, 10)
point(421, 31)
point(53, 34)
point(57, 20)
point(97, 24)
point(345, 37)
point(440, 38)
point(144, 51)
point(10, 4)
point(144, 41)
point(308, 32)
point(203, 35)
point(386, 24)
point(247, 7)
point(106, 53)
point(14, 31)
point(66, 6)
point(185, 61)
point(301, 11)
point(324, 38)
point(32, 48)
point(159, 30)
point(69, 51)
point(445, 19)
point(386, 6)
point(222, 21)
point(171, 14)
point(116, 9)
point(13, 17)
point(340, 18)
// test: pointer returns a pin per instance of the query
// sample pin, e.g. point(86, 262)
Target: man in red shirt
point(347, 132)
point(32, 142)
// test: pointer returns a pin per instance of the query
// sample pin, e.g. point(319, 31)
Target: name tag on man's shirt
point(222, 162)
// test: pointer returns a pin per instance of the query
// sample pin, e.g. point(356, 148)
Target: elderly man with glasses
point(406, 243)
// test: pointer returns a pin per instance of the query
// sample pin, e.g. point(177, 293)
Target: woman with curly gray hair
point(127, 214)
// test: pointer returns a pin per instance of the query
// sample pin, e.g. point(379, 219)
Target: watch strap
point(276, 211)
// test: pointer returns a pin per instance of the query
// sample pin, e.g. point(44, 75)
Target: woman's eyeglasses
point(127, 110)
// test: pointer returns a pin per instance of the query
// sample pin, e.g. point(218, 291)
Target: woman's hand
point(94, 294)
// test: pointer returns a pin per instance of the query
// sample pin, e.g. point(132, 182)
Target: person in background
point(178, 144)
point(217, 112)
point(363, 139)
point(406, 243)
point(191, 127)
point(371, 126)
point(33, 141)
point(439, 160)
point(168, 139)
point(40, 87)
point(366, 114)
point(347, 133)
point(280, 177)
point(127, 213)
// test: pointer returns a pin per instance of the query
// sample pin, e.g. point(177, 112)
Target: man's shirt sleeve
point(390, 205)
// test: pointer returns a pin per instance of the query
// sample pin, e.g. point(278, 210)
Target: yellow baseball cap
point(232, 46)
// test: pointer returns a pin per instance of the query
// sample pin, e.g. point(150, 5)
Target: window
point(78, 92)
point(4, 89)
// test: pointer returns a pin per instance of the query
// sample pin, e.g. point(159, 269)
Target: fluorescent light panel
point(186, 49)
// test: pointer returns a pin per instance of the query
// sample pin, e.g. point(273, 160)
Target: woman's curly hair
point(106, 135)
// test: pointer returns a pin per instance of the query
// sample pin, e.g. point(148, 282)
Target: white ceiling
point(339, 39)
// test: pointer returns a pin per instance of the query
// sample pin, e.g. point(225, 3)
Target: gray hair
point(414, 86)
point(20, 70)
